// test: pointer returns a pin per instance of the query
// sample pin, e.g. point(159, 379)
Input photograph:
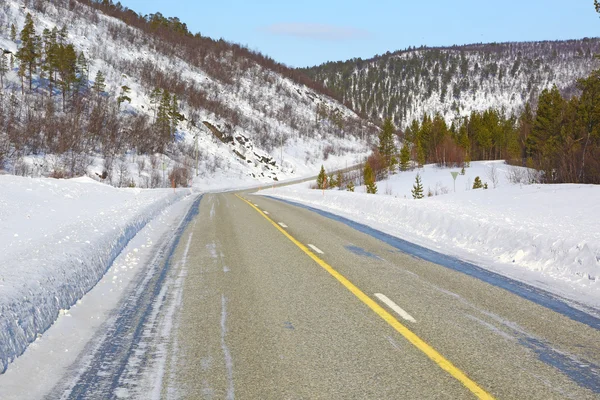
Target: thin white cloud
point(316, 31)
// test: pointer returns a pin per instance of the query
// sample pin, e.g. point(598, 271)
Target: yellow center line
point(419, 343)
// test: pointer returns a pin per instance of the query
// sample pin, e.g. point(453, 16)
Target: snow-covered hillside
point(251, 123)
point(57, 239)
point(545, 235)
point(455, 81)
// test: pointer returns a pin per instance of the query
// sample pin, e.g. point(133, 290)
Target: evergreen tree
point(477, 184)
point(340, 179)
point(3, 69)
point(350, 186)
point(124, 96)
point(589, 116)
point(322, 179)
point(417, 190)
point(370, 179)
point(67, 69)
point(99, 84)
point(546, 130)
point(163, 121)
point(155, 97)
point(386, 143)
point(174, 115)
point(404, 157)
point(82, 72)
point(63, 35)
point(332, 181)
point(13, 33)
point(49, 63)
point(29, 52)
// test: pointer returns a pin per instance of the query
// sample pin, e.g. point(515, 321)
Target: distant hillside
point(457, 80)
point(114, 91)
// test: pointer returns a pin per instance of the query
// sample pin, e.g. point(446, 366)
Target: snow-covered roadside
point(57, 240)
point(64, 343)
point(544, 235)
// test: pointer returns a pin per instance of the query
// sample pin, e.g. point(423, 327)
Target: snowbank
point(57, 239)
point(545, 235)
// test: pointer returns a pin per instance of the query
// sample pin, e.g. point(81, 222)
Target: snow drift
point(57, 239)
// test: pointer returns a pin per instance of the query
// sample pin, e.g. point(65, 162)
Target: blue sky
point(310, 32)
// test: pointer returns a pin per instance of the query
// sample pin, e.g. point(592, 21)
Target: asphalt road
point(293, 305)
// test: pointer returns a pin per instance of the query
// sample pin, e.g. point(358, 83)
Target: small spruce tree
point(417, 190)
point(332, 181)
point(13, 33)
point(321, 179)
point(340, 179)
point(350, 186)
point(370, 179)
point(404, 157)
point(477, 184)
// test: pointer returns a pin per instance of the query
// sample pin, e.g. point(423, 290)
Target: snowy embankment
point(544, 235)
point(57, 239)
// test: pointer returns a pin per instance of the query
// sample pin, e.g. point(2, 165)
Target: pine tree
point(404, 157)
point(417, 190)
point(340, 179)
point(49, 60)
point(174, 115)
point(370, 179)
point(332, 181)
point(155, 97)
point(67, 68)
point(477, 184)
point(63, 34)
point(29, 52)
point(13, 33)
point(3, 68)
point(350, 186)
point(322, 179)
point(99, 84)
point(82, 71)
point(163, 121)
point(124, 96)
point(386, 143)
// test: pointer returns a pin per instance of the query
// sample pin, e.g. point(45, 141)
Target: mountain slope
point(457, 80)
point(248, 113)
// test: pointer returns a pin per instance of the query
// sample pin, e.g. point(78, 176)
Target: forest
point(560, 138)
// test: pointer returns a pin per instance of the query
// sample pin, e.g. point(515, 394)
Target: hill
point(454, 81)
point(94, 88)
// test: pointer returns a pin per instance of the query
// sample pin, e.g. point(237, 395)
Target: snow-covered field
point(544, 235)
point(57, 240)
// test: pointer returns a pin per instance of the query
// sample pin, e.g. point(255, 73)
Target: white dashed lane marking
point(315, 248)
point(395, 307)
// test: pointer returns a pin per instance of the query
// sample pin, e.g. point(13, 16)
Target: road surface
point(280, 302)
point(254, 298)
